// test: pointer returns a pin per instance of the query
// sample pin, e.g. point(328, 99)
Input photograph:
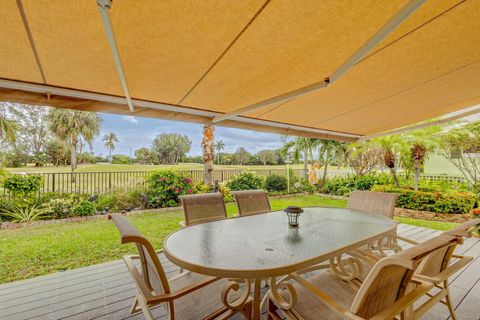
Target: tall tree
point(390, 146)
point(241, 156)
point(267, 156)
point(144, 156)
point(461, 146)
point(329, 149)
point(169, 148)
point(422, 142)
point(33, 133)
point(110, 139)
point(302, 148)
point(70, 126)
point(219, 146)
point(208, 149)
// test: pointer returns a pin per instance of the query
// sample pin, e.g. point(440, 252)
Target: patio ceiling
point(253, 64)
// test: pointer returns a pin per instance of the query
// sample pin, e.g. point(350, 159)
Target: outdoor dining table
point(264, 246)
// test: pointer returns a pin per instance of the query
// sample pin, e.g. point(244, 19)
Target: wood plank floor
point(105, 291)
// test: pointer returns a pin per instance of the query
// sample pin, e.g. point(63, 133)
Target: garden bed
point(432, 216)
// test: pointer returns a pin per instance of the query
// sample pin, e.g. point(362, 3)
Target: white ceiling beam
point(103, 7)
point(391, 25)
point(55, 91)
point(437, 122)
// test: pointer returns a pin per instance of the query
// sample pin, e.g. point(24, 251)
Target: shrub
point(3, 175)
point(303, 185)
point(84, 208)
point(343, 186)
point(59, 205)
point(18, 183)
point(227, 194)
point(247, 180)
point(276, 183)
point(165, 187)
point(119, 200)
point(439, 202)
point(24, 213)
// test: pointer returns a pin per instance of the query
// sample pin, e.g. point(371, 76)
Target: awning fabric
point(192, 60)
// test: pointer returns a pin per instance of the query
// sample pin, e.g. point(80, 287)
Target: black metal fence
point(103, 182)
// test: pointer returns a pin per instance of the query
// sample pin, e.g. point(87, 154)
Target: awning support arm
point(391, 25)
point(103, 7)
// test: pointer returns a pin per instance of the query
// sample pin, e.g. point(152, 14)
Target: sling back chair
point(388, 290)
point(382, 203)
point(199, 208)
point(251, 202)
point(188, 296)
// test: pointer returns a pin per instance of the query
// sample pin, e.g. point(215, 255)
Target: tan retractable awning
point(365, 66)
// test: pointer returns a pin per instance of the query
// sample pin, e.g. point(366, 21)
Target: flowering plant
point(166, 186)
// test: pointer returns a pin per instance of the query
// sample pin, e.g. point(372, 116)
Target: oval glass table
point(264, 246)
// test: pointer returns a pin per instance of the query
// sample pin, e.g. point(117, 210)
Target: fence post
point(53, 182)
point(109, 181)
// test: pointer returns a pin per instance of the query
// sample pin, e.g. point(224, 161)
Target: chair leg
point(146, 310)
point(448, 301)
point(134, 308)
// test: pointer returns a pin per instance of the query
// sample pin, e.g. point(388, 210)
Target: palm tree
point(330, 149)
point(390, 146)
point(70, 126)
point(219, 146)
point(302, 147)
point(421, 143)
point(110, 139)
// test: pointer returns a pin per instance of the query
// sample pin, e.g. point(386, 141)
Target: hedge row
point(439, 202)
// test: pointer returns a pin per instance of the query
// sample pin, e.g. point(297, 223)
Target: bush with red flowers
point(165, 187)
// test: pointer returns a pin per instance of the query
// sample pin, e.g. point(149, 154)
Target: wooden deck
point(105, 291)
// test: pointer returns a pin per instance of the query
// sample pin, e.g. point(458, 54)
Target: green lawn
point(34, 251)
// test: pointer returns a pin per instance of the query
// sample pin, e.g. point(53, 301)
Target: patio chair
point(187, 296)
point(251, 202)
point(199, 208)
point(388, 290)
point(437, 268)
point(382, 203)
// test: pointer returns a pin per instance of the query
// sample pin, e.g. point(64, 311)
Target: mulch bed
point(432, 216)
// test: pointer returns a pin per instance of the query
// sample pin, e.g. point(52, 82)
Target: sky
point(136, 132)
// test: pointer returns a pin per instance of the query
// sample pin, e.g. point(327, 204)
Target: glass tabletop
point(265, 244)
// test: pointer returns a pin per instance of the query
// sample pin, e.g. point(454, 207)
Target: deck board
point(105, 291)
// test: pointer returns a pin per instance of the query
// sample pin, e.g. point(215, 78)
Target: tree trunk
point(73, 160)
point(305, 162)
point(208, 153)
point(416, 177)
point(394, 177)
point(325, 167)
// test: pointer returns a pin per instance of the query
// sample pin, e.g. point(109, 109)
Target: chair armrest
point(407, 240)
point(445, 274)
point(182, 292)
point(403, 303)
point(332, 304)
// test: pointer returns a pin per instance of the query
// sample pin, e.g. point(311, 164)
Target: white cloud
point(130, 119)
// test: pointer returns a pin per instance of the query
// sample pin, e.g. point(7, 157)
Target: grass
point(436, 225)
point(35, 251)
